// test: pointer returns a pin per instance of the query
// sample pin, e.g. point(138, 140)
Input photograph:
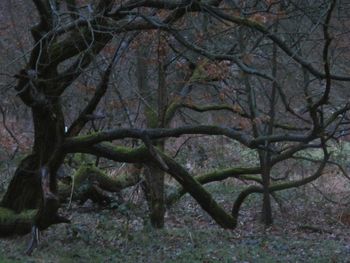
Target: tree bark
point(266, 213)
point(154, 112)
point(26, 190)
point(154, 191)
point(90, 182)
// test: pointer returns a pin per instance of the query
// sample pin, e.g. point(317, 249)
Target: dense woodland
point(123, 121)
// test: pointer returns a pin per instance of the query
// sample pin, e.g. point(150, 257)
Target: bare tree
point(249, 56)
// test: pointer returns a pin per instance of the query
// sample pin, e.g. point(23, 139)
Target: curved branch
point(213, 107)
point(242, 196)
point(190, 184)
point(233, 108)
point(241, 173)
point(328, 39)
point(277, 187)
point(80, 122)
point(198, 192)
point(112, 152)
point(157, 133)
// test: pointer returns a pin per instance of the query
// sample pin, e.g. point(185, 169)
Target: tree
point(245, 57)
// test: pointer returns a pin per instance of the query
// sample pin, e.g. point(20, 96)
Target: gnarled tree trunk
point(34, 182)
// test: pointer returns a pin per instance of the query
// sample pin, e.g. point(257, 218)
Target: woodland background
point(174, 131)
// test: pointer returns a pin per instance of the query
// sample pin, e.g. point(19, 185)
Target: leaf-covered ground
point(304, 231)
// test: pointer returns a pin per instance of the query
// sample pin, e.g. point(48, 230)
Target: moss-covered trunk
point(154, 184)
point(154, 111)
point(23, 191)
point(35, 177)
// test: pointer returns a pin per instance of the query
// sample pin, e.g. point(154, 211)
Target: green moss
point(138, 154)
point(92, 173)
point(15, 223)
point(86, 136)
point(199, 73)
point(238, 172)
point(152, 118)
point(126, 150)
point(7, 215)
point(170, 112)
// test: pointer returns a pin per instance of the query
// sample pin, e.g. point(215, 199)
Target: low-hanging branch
point(233, 108)
point(159, 133)
point(242, 173)
point(156, 133)
point(277, 187)
point(190, 184)
point(198, 192)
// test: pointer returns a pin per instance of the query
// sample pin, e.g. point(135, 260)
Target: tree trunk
point(155, 192)
point(38, 170)
point(266, 213)
point(154, 112)
point(23, 191)
point(154, 189)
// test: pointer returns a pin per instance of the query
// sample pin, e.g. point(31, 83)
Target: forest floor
point(305, 230)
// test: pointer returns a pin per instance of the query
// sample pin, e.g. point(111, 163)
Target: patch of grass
point(6, 260)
